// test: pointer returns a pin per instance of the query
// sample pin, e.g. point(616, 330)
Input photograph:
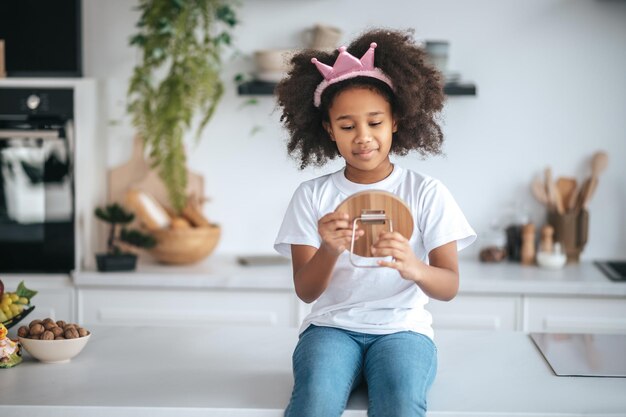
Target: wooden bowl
point(185, 246)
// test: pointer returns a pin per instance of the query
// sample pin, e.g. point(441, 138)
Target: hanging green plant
point(182, 42)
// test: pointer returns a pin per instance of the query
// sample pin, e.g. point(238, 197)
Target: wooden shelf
point(258, 88)
point(460, 89)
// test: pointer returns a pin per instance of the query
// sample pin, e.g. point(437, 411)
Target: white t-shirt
point(374, 300)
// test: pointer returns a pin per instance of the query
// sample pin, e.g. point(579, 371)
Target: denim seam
point(433, 361)
point(351, 386)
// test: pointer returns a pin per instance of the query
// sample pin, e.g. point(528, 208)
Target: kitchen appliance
point(583, 354)
point(614, 270)
point(42, 38)
point(37, 215)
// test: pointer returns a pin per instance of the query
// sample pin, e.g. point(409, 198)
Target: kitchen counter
point(219, 291)
point(220, 272)
point(226, 371)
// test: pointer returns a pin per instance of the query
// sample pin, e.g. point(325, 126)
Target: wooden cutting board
point(137, 174)
point(152, 184)
point(123, 176)
point(373, 204)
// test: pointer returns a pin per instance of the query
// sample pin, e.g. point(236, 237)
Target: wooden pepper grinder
point(528, 244)
point(547, 239)
point(2, 60)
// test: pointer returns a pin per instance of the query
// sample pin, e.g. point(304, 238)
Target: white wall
point(551, 77)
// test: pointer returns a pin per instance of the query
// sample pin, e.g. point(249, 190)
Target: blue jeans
point(328, 363)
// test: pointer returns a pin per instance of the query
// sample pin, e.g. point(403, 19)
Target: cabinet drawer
point(476, 312)
point(468, 312)
point(576, 315)
point(57, 304)
point(193, 307)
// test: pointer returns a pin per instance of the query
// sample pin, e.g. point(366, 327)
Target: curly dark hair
point(416, 102)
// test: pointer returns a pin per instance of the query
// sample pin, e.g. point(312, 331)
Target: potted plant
point(178, 78)
point(122, 245)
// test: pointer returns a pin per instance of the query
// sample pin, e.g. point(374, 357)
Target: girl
point(367, 323)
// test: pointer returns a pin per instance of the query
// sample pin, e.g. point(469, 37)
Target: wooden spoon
point(573, 198)
point(554, 197)
point(599, 162)
point(567, 188)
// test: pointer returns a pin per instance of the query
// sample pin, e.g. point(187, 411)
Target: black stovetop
point(614, 270)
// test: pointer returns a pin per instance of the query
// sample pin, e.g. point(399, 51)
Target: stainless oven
point(37, 215)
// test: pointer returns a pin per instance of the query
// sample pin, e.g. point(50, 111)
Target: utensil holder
point(571, 229)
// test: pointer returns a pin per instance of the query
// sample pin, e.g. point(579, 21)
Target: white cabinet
point(476, 312)
point(58, 304)
point(467, 312)
point(553, 313)
point(303, 310)
point(575, 315)
point(565, 314)
point(493, 297)
point(158, 307)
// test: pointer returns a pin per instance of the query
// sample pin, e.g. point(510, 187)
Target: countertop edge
point(223, 273)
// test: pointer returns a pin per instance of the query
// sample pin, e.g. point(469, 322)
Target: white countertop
point(217, 272)
point(239, 371)
point(583, 279)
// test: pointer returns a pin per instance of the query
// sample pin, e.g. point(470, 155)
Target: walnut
point(47, 335)
point(34, 336)
point(59, 338)
point(82, 332)
point(48, 320)
point(57, 331)
point(71, 333)
point(32, 323)
point(36, 329)
point(61, 323)
point(22, 331)
point(49, 325)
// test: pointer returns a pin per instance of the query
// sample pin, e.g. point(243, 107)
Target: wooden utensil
point(566, 187)
point(376, 211)
point(599, 162)
point(573, 199)
point(553, 193)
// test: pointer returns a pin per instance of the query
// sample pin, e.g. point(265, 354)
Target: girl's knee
point(317, 397)
point(398, 403)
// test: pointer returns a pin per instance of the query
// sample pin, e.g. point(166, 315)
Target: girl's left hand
point(397, 246)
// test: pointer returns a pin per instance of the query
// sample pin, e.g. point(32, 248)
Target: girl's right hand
point(336, 232)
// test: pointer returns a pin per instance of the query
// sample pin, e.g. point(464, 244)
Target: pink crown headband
point(348, 66)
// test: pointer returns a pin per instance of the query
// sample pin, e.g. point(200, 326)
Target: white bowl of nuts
point(53, 341)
